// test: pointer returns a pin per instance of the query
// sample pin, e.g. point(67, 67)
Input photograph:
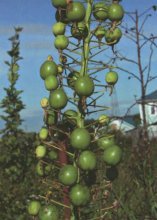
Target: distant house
point(124, 124)
point(151, 112)
point(129, 123)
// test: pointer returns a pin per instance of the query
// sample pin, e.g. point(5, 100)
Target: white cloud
point(38, 45)
point(36, 29)
point(27, 113)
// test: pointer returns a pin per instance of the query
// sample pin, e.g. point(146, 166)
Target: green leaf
point(13, 38)
point(18, 29)
point(11, 53)
point(15, 68)
point(7, 63)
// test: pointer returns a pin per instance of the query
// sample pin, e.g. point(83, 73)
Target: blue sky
point(37, 18)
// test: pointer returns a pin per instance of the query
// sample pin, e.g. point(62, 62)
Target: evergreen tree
point(12, 103)
point(16, 146)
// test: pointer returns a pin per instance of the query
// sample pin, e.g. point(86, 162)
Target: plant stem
point(52, 145)
point(86, 42)
point(56, 202)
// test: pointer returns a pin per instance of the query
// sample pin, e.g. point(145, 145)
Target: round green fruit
point(100, 11)
point(51, 83)
point(61, 42)
point(112, 155)
point(71, 79)
point(111, 78)
point(43, 134)
point(50, 118)
point(48, 68)
point(80, 138)
point(87, 160)
point(33, 207)
point(70, 116)
point(40, 151)
point(39, 169)
point(59, 3)
point(115, 12)
point(105, 142)
point(58, 28)
point(49, 212)
point(14, 170)
point(76, 12)
point(44, 102)
point(48, 169)
point(103, 119)
point(79, 195)
point(60, 69)
point(100, 32)
point(113, 37)
point(79, 30)
point(84, 86)
point(53, 155)
point(58, 99)
point(68, 175)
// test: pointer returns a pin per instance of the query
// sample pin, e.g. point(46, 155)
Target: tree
point(12, 103)
point(70, 149)
point(142, 167)
point(16, 146)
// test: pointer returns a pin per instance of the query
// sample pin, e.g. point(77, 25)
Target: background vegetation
point(134, 182)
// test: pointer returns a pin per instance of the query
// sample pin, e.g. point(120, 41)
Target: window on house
point(153, 109)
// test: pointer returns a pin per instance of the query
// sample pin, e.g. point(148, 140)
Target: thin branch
point(73, 103)
point(76, 45)
point(146, 11)
point(143, 23)
point(129, 14)
point(145, 38)
point(149, 65)
point(145, 68)
point(98, 70)
point(97, 53)
point(152, 78)
point(129, 37)
point(125, 58)
point(128, 110)
point(150, 39)
point(94, 100)
point(75, 61)
point(129, 72)
point(99, 110)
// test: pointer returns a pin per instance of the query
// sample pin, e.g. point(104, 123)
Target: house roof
point(125, 124)
point(152, 97)
point(128, 119)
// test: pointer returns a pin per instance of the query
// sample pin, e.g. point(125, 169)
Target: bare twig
point(149, 66)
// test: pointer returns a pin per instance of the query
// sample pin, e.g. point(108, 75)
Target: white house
point(151, 112)
point(127, 124)
point(124, 124)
